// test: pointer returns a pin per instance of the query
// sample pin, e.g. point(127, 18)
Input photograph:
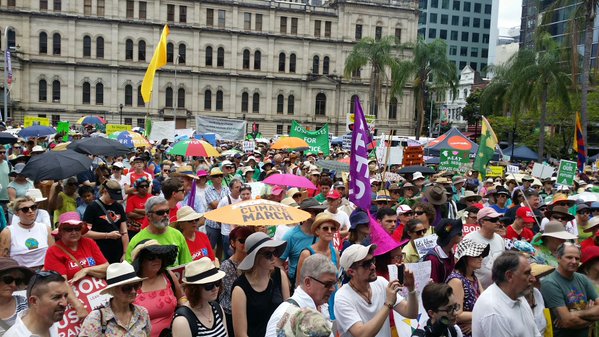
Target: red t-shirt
point(590, 242)
point(172, 214)
point(526, 234)
point(200, 247)
point(136, 202)
point(88, 254)
point(134, 176)
point(398, 233)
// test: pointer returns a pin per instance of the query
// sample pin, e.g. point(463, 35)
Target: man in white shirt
point(333, 202)
point(47, 296)
point(232, 198)
point(317, 282)
point(501, 310)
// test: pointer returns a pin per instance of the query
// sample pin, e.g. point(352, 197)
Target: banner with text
point(318, 140)
point(87, 290)
point(350, 120)
point(30, 121)
point(228, 129)
point(162, 130)
point(111, 128)
point(454, 160)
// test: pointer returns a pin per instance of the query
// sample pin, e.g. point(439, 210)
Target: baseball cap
point(487, 212)
point(402, 209)
point(333, 194)
point(355, 253)
point(526, 214)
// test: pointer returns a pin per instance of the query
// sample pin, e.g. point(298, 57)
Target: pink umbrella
point(289, 180)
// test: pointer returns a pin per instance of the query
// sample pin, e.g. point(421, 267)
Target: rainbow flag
point(579, 145)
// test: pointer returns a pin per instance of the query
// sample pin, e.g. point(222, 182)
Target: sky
point(509, 13)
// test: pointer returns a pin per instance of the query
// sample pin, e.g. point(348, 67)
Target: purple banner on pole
point(359, 177)
point(8, 66)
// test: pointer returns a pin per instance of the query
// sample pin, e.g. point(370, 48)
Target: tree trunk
point(542, 123)
point(586, 67)
point(420, 112)
point(373, 84)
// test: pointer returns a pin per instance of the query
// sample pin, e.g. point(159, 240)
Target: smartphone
point(400, 270)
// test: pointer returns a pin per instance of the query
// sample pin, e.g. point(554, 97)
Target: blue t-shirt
point(499, 209)
point(297, 241)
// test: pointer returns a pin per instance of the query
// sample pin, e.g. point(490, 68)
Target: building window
point(43, 5)
point(219, 100)
point(358, 32)
point(455, 20)
point(315, 64)
point(432, 33)
point(100, 47)
point(247, 21)
point(183, 14)
point(464, 36)
point(129, 49)
point(487, 9)
point(321, 104)
point(87, 7)
point(473, 52)
point(140, 98)
point(208, 100)
point(170, 51)
point(42, 92)
point(294, 23)
point(462, 65)
point(443, 34)
point(453, 50)
point(128, 120)
point(444, 19)
point(182, 53)
point(99, 94)
point(454, 35)
point(257, 60)
point(317, 24)
point(130, 10)
point(169, 97)
point(397, 35)
point(432, 18)
point(170, 13)
point(356, 73)
point(258, 24)
point(485, 38)
point(283, 25)
point(209, 56)
point(463, 51)
point(476, 23)
point(434, 3)
point(141, 122)
point(352, 104)
point(220, 57)
point(221, 18)
point(141, 50)
point(456, 5)
point(288, 129)
point(282, 62)
point(465, 21)
point(487, 24)
point(475, 37)
point(279, 129)
point(128, 95)
point(11, 38)
point(477, 7)
point(209, 17)
point(87, 46)
point(327, 29)
point(245, 97)
point(181, 98)
point(484, 53)
point(280, 103)
point(256, 103)
point(43, 44)
point(142, 9)
point(393, 108)
point(245, 64)
point(56, 44)
point(467, 6)
point(100, 7)
point(378, 33)
point(325, 65)
point(290, 105)
point(57, 5)
point(56, 91)
point(86, 93)
point(292, 63)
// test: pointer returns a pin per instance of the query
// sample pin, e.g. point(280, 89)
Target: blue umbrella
point(37, 131)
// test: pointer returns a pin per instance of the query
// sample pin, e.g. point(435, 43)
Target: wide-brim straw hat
point(540, 270)
point(120, 274)
point(323, 218)
point(254, 243)
point(555, 229)
point(202, 271)
point(186, 213)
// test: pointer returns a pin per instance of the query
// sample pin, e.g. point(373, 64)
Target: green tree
point(471, 112)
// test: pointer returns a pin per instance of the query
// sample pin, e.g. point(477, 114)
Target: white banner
point(162, 130)
point(228, 129)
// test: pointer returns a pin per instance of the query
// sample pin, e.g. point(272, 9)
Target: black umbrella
point(333, 165)
point(7, 138)
point(416, 168)
point(99, 146)
point(55, 165)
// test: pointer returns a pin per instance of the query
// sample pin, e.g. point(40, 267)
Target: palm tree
point(428, 69)
point(380, 54)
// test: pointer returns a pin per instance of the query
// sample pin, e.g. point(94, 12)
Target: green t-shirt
point(170, 237)
point(574, 294)
point(320, 198)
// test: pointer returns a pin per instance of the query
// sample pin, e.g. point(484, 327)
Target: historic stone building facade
point(265, 61)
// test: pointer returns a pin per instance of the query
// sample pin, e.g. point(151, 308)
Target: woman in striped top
point(203, 316)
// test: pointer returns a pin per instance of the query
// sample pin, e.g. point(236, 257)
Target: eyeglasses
point(407, 214)
point(40, 275)
point(419, 212)
point(327, 285)
point(143, 186)
point(210, 286)
point(420, 232)
point(328, 229)
point(27, 209)
point(127, 288)
point(161, 212)
point(71, 229)
point(583, 212)
point(366, 264)
point(269, 255)
point(452, 309)
point(8, 279)
point(493, 220)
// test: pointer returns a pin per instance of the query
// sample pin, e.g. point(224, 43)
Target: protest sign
point(112, 128)
point(454, 160)
point(178, 271)
point(209, 137)
point(495, 171)
point(566, 172)
point(350, 119)
point(346, 142)
point(423, 245)
point(467, 229)
point(249, 146)
point(63, 128)
point(162, 130)
point(422, 275)
point(317, 140)
point(181, 134)
point(542, 171)
point(87, 290)
point(30, 121)
point(228, 129)
point(513, 169)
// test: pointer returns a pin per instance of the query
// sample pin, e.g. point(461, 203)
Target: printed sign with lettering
point(454, 160)
point(30, 121)
point(423, 245)
point(111, 128)
point(317, 140)
point(567, 172)
point(87, 290)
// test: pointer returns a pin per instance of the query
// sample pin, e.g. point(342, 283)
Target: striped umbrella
point(130, 139)
point(91, 120)
point(193, 147)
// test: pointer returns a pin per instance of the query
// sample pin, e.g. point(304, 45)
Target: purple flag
point(359, 177)
point(192, 195)
point(8, 66)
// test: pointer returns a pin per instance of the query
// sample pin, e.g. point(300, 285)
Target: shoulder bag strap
point(71, 256)
point(108, 218)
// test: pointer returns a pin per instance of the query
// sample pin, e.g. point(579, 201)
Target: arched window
point(170, 50)
point(352, 104)
point(220, 57)
point(56, 44)
point(128, 95)
point(393, 108)
point(290, 105)
point(168, 101)
point(87, 46)
point(315, 64)
point(321, 104)
point(56, 91)
point(280, 103)
point(129, 49)
point(181, 98)
point(140, 98)
point(219, 100)
point(99, 94)
point(209, 56)
point(245, 98)
point(182, 53)
point(245, 63)
point(256, 103)
point(282, 62)
point(325, 65)
point(141, 50)
point(43, 44)
point(42, 91)
point(86, 93)
point(292, 63)
point(208, 100)
point(257, 60)
point(100, 47)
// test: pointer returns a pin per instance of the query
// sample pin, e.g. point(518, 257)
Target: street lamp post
point(121, 107)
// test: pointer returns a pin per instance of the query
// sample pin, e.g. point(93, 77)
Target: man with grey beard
point(157, 211)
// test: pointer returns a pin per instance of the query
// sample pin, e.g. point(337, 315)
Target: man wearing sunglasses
point(318, 280)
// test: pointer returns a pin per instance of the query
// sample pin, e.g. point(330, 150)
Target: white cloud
point(510, 12)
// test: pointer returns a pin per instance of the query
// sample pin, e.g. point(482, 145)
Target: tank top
point(69, 204)
point(28, 246)
point(260, 305)
point(161, 305)
point(218, 326)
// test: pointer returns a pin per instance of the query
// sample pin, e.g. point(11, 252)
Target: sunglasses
point(560, 218)
point(407, 214)
point(143, 186)
point(40, 275)
point(493, 220)
point(366, 264)
point(2, 152)
point(420, 232)
point(472, 200)
point(583, 212)
point(161, 212)
point(71, 229)
point(419, 212)
point(27, 209)
point(327, 285)
point(127, 288)
point(8, 279)
point(269, 255)
point(210, 286)
point(328, 229)
point(242, 241)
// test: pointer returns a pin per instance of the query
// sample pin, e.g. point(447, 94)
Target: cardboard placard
point(454, 160)
point(422, 276)
point(495, 171)
point(111, 128)
point(87, 290)
point(30, 121)
point(567, 172)
point(178, 271)
point(542, 171)
point(513, 169)
point(423, 245)
point(248, 146)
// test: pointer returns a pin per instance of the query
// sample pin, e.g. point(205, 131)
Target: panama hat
point(254, 243)
point(539, 270)
point(202, 271)
point(555, 229)
point(185, 171)
point(120, 274)
point(35, 194)
point(322, 218)
point(186, 213)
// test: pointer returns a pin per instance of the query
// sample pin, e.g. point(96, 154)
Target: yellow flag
point(158, 61)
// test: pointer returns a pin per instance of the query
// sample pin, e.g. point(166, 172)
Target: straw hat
point(555, 229)
point(323, 218)
point(540, 270)
point(120, 274)
point(202, 271)
point(254, 243)
point(186, 213)
point(35, 194)
point(186, 171)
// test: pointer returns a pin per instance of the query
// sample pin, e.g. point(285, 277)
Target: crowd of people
point(511, 256)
